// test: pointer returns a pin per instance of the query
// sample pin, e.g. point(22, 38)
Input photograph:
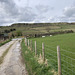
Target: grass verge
point(32, 65)
point(5, 42)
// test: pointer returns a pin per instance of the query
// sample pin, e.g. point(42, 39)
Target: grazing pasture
point(67, 50)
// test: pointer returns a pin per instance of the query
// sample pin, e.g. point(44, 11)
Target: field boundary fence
point(59, 59)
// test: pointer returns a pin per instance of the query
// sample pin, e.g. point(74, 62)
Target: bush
point(18, 33)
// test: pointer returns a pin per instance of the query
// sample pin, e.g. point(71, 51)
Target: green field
point(67, 48)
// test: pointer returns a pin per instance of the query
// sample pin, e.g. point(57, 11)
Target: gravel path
point(4, 47)
point(13, 64)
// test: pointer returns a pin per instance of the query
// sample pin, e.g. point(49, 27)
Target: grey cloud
point(41, 19)
point(9, 8)
point(69, 11)
point(26, 14)
point(9, 12)
point(64, 19)
point(43, 8)
point(68, 15)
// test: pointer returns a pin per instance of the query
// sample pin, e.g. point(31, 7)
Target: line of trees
point(8, 31)
point(15, 34)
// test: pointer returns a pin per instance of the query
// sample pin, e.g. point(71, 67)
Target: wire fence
point(68, 62)
point(67, 58)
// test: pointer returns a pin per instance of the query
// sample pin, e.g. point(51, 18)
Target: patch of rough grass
point(54, 72)
point(26, 52)
point(5, 42)
point(40, 61)
point(4, 54)
point(32, 65)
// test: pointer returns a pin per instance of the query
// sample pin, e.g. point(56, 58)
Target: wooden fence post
point(59, 60)
point(35, 49)
point(28, 43)
point(31, 45)
point(43, 52)
point(25, 41)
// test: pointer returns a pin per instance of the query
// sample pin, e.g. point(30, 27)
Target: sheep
point(43, 36)
point(50, 35)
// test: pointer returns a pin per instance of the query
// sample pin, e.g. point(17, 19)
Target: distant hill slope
point(40, 24)
point(38, 28)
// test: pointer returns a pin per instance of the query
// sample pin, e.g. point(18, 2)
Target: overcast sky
point(14, 11)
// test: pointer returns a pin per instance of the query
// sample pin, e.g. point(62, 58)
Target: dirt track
point(4, 47)
point(12, 64)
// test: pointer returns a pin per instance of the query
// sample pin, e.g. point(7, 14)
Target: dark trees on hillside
point(13, 29)
point(19, 33)
point(6, 31)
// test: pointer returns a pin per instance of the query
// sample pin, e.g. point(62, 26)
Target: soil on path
point(12, 64)
point(4, 47)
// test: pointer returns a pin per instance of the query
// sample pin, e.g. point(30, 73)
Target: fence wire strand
point(67, 61)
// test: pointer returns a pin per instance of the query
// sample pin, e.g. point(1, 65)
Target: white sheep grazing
point(50, 35)
point(43, 36)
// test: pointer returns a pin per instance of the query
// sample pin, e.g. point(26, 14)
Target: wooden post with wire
point(31, 45)
point(59, 60)
point(28, 43)
point(35, 49)
point(43, 52)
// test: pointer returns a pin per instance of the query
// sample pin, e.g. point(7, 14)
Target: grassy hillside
point(37, 28)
